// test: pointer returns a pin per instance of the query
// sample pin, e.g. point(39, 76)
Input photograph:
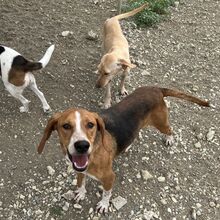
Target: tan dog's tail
point(182, 95)
point(131, 13)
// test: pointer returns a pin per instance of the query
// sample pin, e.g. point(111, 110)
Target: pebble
point(90, 210)
point(210, 134)
point(145, 73)
point(66, 206)
point(119, 202)
point(50, 170)
point(65, 33)
point(146, 175)
point(197, 145)
point(92, 35)
point(69, 195)
point(148, 215)
point(163, 201)
point(161, 179)
point(77, 206)
point(212, 204)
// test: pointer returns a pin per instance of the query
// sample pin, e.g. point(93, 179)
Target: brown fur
point(115, 128)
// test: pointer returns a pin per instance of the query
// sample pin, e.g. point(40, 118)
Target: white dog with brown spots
point(16, 75)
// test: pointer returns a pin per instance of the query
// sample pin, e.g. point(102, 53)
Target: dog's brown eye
point(106, 74)
point(67, 126)
point(90, 125)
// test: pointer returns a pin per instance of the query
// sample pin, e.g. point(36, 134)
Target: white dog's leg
point(34, 88)
point(17, 93)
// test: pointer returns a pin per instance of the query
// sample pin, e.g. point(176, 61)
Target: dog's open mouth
point(79, 161)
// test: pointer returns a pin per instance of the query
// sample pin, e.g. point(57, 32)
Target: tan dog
point(91, 141)
point(116, 58)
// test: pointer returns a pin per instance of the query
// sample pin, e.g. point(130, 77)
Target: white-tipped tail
point(46, 58)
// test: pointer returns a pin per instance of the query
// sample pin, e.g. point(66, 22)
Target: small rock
point(119, 202)
point(194, 214)
point(148, 215)
point(38, 212)
point(50, 170)
point(66, 206)
point(210, 134)
point(69, 195)
point(163, 201)
point(145, 73)
point(65, 33)
point(212, 204)
point(146, 175)
point(197, 145)
point(161, 179)
point(77, 206)
point(92, 35)
point(90, 210)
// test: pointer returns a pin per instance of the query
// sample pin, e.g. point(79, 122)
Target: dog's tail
point(31, 66)
point(131, 13)
point(182, 95)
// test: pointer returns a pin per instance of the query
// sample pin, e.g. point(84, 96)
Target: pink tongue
point(80, 160)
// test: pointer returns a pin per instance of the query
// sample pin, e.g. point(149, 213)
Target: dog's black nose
point(81, 146)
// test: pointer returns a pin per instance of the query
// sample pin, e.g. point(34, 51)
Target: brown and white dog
point(116, 55)
point(16, 74)
point(91, 141)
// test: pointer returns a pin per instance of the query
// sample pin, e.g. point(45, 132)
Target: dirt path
point(182, 52)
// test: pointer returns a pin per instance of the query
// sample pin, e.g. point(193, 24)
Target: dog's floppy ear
point(101, 128)
point(51, 126)
point(126, 64)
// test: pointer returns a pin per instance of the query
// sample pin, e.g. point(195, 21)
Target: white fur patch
point(103, 205)
point(78, 134)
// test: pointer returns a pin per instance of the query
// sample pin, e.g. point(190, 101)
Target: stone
point(69, 195)
point(146, 175)
point(161, 179)
point(77, 206)
point(92, 35)
point(65, 33)
point(197, 145)
point(210, 134)
point(212, 204)
point(148, 215)
point(50, 170)
point(119, 202)
point(66, 206)
point(145, 73)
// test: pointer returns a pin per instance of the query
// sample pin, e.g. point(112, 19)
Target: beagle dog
point(91, 141)
point(116, 57)
point(16, 74)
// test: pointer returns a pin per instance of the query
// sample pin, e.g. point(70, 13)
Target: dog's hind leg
point(34, 88)
point(159, 120)
point(17, 93)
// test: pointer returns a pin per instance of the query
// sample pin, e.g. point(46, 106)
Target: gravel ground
point(155, 181)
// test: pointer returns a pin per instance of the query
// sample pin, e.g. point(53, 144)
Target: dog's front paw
point(80, 194)
point(124, 92)
point(169, 140)
point(23, 109)
point(107, 105)
point(102, 206)
point(47, 109)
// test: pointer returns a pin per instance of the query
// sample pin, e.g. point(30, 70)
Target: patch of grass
point(157, 10)
point(56, 211)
